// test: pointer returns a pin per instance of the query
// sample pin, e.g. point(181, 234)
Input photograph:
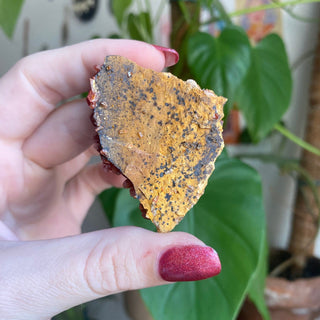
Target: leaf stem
point(185, 11)
point(223, 14)
point(272, 5)
point(290, 12)
point(303, 144)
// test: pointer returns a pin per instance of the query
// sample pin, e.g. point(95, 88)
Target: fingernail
point(189, 263)
point(171, 55)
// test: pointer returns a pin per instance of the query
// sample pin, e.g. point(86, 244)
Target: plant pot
point(288, 300)
point(297, 299)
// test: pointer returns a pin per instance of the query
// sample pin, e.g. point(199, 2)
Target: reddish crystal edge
point(108, 165)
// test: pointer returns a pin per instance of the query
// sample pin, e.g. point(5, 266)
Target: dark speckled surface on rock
point(162, 133)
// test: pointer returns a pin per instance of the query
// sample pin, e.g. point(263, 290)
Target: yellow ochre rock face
point(162, 133)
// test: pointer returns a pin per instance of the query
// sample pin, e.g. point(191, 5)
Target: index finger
point(33, 87)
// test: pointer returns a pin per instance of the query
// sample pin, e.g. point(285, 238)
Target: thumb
point(39, 279)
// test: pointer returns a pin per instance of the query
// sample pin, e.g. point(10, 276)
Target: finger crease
point(87, 273)
point(90, 70)
point(45, 101)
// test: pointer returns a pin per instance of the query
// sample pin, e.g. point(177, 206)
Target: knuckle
point(107, 269)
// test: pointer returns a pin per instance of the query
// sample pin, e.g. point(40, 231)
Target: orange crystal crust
point(162, 133)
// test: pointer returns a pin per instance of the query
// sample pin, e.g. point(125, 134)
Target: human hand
point(46, 189)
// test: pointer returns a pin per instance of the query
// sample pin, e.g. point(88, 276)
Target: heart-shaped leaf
point(119, 7)
point(221, 63)
point(228, 217)
point(257, 283)
point(265, 93)
point(140, 26)
point(9, 13)
point(108, 200)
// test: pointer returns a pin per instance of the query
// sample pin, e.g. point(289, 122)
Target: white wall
point(46, 19)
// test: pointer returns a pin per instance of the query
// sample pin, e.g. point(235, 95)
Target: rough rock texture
point(162, 133)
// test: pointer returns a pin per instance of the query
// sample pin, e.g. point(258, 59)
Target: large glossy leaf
point(9, 13)
point(257, 283)
point(221, 63)
point(75, 313)
point(119, 8)
point(265, 93)
point(127, 212)
point(108, 200)
point(140, 26)
point(228, 217)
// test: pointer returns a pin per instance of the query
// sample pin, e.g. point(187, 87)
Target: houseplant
point(249, 75)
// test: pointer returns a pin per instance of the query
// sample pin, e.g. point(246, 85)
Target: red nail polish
point(171, 55)
point(189, 263)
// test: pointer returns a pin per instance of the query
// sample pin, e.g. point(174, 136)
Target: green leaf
point(127, 212)
point(140, 26)
point(114, 36)
point(119, 8)
point(221, 63)
point(9, 13)
point(257, 284)
point(75, 313)
point(265, 93)
point(108, 200)
point(207, 3)
point(228, 217)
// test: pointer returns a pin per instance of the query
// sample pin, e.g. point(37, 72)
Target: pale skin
point(46, 189)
